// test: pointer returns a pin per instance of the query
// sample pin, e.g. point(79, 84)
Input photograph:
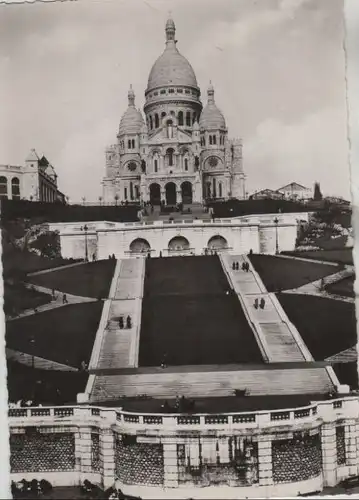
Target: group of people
point(181, 405)
point(259, 303)
point(245, 266)
point(121, 322)
point(34, 487)
point(112, 257)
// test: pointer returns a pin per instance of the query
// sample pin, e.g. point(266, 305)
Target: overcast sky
point(277, 67)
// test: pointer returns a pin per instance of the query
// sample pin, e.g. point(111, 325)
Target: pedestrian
point(233, 266)
point(256, 303)
point(53, 294)
point(64, 299)
point(263, 303)
point(237, 266)
point(129, 322)
point(120, 322)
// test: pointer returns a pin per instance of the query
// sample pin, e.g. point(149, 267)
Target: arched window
point(156, 165)
point(3, 187)
point(214, 139)
point(186, 163)
point(15, 188)
point(125, 193)
point(133, 144)
point(180, 118)
point(163, 114)
point(188, 119)
point(151, 123)
point(210, 140)
point(220, 190)
point(169, 154)
point(157, 121)
point(137, 192)
point(129, 144)
point(131, 190)
point(193, 118)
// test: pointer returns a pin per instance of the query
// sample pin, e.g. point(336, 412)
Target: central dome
point(171, 68)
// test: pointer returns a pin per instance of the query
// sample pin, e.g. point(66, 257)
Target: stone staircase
point(278, 336)
point(215, 383)
point(119, 347)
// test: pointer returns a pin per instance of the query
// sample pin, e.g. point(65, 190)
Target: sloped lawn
point(87, 280)
point(65, 335)
point(327, 326)
point(18, 298)
point(280, 273)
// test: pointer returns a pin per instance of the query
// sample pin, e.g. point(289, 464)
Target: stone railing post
point(329, 454)
point(107, 445)
point(170, 463)
point(83, 452)
point(351, 451)
point(265, 471)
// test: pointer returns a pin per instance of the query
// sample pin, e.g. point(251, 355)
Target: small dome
point(211, 117)
point(132, 120)
point(171, 68)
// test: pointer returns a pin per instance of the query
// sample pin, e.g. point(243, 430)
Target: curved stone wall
point(279, 453)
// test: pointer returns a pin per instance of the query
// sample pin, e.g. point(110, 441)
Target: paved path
point(316, 287)
point(54, 304)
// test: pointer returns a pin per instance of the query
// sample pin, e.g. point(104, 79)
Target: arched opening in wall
point(140, 245)
point(194, 117)
point(178, 243)
point(210, 140)
point(131, 190)
point(170, 129)
point(157, 121)
point(133, 144)
point(129, 144)
point(171, 195)
point(217, 243)
point(155, 194)
point(3, 187)
point(188, 119)
point(180, 118)
point(186, 189)
point(186, 164)
point(151, 123)
point(220, 190)
point(155, 163)
point(169, 157)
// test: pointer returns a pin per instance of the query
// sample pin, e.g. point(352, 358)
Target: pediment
point(179, 137)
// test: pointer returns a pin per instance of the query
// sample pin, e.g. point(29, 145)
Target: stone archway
point(155, 194)
point(140, 245)
point(171, 193)
point(178, 243)
point(217, 243)
point(187, 193)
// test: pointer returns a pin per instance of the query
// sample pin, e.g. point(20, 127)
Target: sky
point(278, 68)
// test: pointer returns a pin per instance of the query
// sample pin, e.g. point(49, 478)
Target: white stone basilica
point(182, 153)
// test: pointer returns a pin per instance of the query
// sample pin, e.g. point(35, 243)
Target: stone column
point(179, 195)
point(329, 454)
point(83, 452)
point(351, 446)
point(265, 471)
point(170, 464)
point(107, 445)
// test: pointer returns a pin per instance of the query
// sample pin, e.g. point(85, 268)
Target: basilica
point(181, 152)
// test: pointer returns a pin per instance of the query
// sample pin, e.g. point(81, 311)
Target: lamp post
point(276, 236)
point(85, 229)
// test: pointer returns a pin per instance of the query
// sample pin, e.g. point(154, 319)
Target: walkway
point(278, 336)
point(118, 347)
point(54, 304)
point(317, 287)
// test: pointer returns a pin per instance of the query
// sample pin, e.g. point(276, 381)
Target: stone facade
point(258, 454)
point(36, 180)
point(258, 232)
point(181, 153)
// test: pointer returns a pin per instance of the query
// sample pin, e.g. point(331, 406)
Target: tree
point(116, 199)
point(317, 192)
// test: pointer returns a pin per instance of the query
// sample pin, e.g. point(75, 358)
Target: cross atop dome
point(170, 29)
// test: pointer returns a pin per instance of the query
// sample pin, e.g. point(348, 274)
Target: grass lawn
point(343, 287)
point(65, 335)
point(45, 386)
point(284, 274)
point(187, 315)
point(17, 261)
point(87, 280)
point(327, 326)
point(341, 256)
point(18, 298)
